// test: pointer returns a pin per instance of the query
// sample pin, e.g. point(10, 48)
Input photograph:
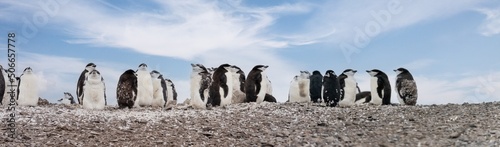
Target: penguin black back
point(126, 90)
point(219, 80)
point(253, 83)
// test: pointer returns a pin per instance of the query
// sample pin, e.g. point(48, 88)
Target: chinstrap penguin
point(144, 87)
point(27, 89)
point(171, 94)
point(126, 89)
point(238, 84)
point(315, 86)
point(256, 85)
point(331, 89)
point(94, 88)
point(67, 99)
point(406, 87)
point(159, 89)
point(380, 87)
point(221, 88)
point(348, 88)
point(299, 90)
point(199, 86)
point(79, 85)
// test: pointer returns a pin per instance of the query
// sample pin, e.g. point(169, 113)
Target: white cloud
point(490, 26)
point(418, 64)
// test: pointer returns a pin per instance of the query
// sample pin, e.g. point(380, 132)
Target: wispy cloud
point(490, 26)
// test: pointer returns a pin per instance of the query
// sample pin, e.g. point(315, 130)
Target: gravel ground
point(265, 124)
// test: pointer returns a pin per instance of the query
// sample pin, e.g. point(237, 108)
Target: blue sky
point(450, 46)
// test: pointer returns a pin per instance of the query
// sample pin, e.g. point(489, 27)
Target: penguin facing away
point(67, 99)
point(238, 84)
point(221, 89)
point(380, 87)
point(94, 89)
point(406, 87)
point(159, 89)
point(79, 85)
point(200, 81)
point(144, 87)
point(27, 89)
point(256, 84)
point(331, 89)
point(348, 88)
point(315, 86)
point(126, 89)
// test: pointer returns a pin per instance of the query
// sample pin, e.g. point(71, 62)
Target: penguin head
point(349, 72)
point(373, 72)
point(28, 70)
point(67, 95)
point(400, 70)
point(90, 67)
point(95, 74)
point(169, 82)
point(155, 74)
point(225, 66)
point(235, 69)
point(143, 66)
point(198, 68)
point(260, 67)
point(305, 74)
point(316, 72)
point(330, 73)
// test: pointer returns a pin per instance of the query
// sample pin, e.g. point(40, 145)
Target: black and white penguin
point(406, 87)
point(363, 97)
point(27, 89)
point(211, 70)
point(221, 88)
point(199, 86)
point(126, 89)
point(67, 99)
point(3, 86)
point(171, 94)
point(144, 87)
point(79, 85)
point(256, 85)
point(238, 84)
point(159, 89)
point(299, 91)
point(348, 88)
point(94, 91)
point(315, 86)
point(380, 87)
point(331, 89)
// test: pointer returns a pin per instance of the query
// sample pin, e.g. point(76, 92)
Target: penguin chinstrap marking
point(126, 89)
point(348, 88)
point(67, 99)
point(27, 89)
point(299, 88)
point(315, 86)
point(79, 85)
point(331, 89)
point(406, 87)
point(199, 86)
point(94, 91)
point(159, 89)
point(257, 84)
point(380, 87)
point(238, 84)
point(144, 87)
point(221, 89)
point(171, 94)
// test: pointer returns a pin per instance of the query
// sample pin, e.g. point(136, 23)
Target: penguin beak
point(266, 66)
point(367, 70)
point(395, 70)
point(354, 71)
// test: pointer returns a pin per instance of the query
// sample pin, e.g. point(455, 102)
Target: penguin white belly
point(263, 88)
point(238, 95)
point(93, 96)
point(28, 95)
point(229, 98)
point(349, 92)
point(294, 90)
point(195, 100)
point(144, 89)
point(170, 93)
point(158, 100)
point(373, 85)
point(269, 87)
point(65, 101)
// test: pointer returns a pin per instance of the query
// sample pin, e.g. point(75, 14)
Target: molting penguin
point(144, 87)
point(238, 84)
point(256, 85)
point(67, 99)
point(331, 89)
point(348, 88)
point(315, 86)
point(79, 85)
point(380, 87)
point(94, 91)
point(171, 94)
point(299, 91)
point(406, 87)
point(221, 89)
point(159, 89)
point(126, 90)
point(199, 86)
point(27, 89)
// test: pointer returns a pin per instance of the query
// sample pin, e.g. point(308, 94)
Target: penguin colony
point(218, 86)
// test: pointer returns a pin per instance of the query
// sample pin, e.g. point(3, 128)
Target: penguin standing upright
point(221, 89)
point(126, 89)
point(348, 88)
point(315, 86)
point(144, 87)
point(380, 87)
point(94, 88)
point(159, 89)
point(331, 89)
point(238, 84)
point(406, 87)
point(199, 86)
point(257, 84)
point(27, 89)
point(79, 85)
point(299, 90)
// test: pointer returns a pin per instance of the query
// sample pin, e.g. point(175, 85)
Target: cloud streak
point(490, 26)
